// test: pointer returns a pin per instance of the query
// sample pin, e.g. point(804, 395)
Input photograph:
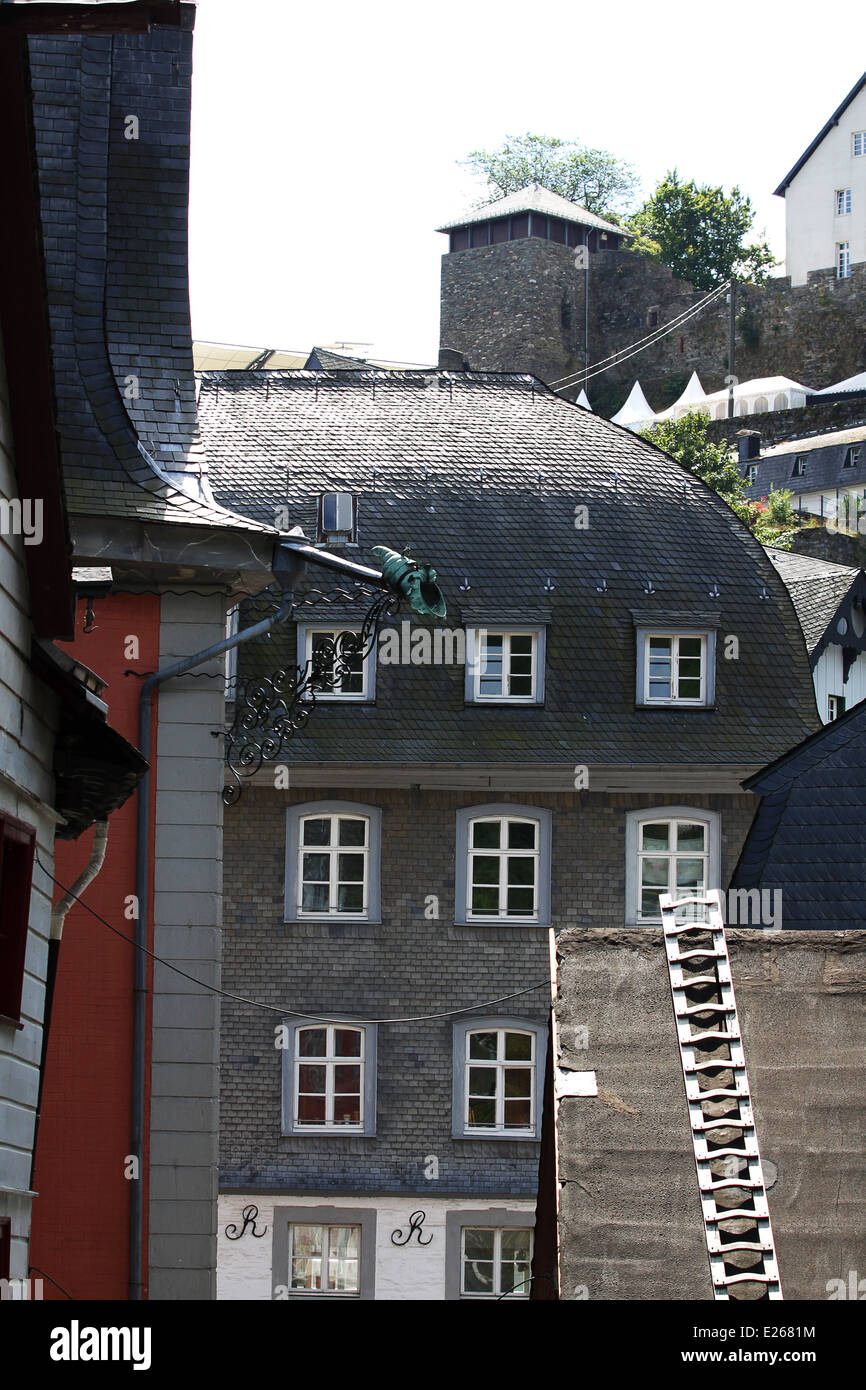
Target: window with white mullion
point(324, 1259)
point(673, 857)
point(503, 868)
point(329, 1078)
point(337, 671)
point(843, 202)
point(675, 671)
point(500, 1071)
point(333, 866)
point(858, 143)
point(495, 1262)
point(507, 665)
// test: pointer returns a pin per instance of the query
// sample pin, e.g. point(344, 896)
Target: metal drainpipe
point(288, 563)
point(142, 883)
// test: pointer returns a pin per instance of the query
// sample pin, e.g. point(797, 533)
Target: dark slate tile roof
point(115, 238)
point(825, 464)
point(817, 588)
point(323, 359)
point(809, 835)
point(482, 474)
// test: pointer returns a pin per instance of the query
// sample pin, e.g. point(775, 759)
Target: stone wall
point(520, 307)
point(778, 426)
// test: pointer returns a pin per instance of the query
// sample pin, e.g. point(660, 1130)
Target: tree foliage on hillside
point(700, 232)
point(594, 179)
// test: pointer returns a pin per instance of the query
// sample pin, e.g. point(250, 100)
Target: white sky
point(325, 136)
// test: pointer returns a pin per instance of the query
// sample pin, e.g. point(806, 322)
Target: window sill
point(498, 1138)
point(11, 1022)
point(501, 922)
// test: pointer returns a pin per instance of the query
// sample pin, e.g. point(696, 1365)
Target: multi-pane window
point(858, 142)
point(337, 668)
point(843, 202)
point(495, 1261)
point(333, 866)
point(329, 1077)
point(505, 665)
point(675, 668)
point(324, 1259)
point(503, 871)
point(835, 706)
point(500, 1082)
point(852, 456)
point(753, 474)
point(673, 857)
point(843, 260)
point(799, 468)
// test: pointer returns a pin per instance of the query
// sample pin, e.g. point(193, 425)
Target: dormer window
point(752, 474)
point(852, 456)
point(337, 522)
point(799, 469)
point(676, 666)
point(505, 665)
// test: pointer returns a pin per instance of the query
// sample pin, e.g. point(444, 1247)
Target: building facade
point(398, 868)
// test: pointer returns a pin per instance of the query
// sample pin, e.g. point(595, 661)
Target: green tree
point(700, 233)
point(687, 440)
point(593, 179)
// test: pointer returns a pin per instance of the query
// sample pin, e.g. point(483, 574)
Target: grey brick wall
point(405, 966)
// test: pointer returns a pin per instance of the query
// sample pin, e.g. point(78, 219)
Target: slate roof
point(482, 474)
point(534, 198)
point(817, 588)
point(809, 835)
point(825, 130)
point(114, 224)
point(324, 359)
point(825, 467)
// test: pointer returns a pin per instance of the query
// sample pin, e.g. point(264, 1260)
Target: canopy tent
point(851, 383)
point(583, 399)
point(760, 394)
point(636, 412)
point(693, 398)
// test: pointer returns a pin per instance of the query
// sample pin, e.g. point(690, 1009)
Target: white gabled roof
point(534, 198)
point(851, 383)
point(636, 412)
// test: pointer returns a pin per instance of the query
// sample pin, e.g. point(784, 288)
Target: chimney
point(748, 445)
point(451, 360)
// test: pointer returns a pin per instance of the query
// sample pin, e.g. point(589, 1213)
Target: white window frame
point(475, 641)
point(463, 876)
point(843, 202)
point(501, 1066)
point(326, 1228)
point(496, 1023)
point(296, 815)
point(501, 1218)
point(753, 474)
point(330, 1061)
point(285, 1217)
point(852, 456)
point(496, 1291)
point(503, 853)
point(843, 260)
point(799, 467)
point(306, 632)
point(833, 711)
point(333, 850)
point(655, 814)
point(674, 638)
point(858, 143)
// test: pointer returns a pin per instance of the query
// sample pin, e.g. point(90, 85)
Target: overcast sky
point(326, 136)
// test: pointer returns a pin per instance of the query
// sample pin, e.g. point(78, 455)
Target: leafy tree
point(687, 440)
point(700, 233)
point(594, 179)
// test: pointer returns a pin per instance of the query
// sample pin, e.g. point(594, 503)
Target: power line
point(283, 1008)
point(595, 368)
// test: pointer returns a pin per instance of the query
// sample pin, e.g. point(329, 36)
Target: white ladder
point(708, 1030)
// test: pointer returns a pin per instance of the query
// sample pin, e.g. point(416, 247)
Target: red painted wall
point(80, 1228)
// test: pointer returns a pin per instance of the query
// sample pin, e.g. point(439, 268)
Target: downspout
point(142, 884)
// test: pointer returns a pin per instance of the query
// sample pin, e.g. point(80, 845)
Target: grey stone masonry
point(406, 966)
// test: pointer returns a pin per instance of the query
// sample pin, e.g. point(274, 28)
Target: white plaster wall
point(27, 726)
point(811, 225)
point(812, 504)
point(827, 678)
point(407, 1273)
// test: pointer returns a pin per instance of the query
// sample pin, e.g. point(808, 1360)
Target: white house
point(830, 601)
point(825, 194)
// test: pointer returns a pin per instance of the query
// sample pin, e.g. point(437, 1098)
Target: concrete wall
point(404, 1273)
point(27, 725)
point(812, 228)
point(187, 931)
point(630, 1223)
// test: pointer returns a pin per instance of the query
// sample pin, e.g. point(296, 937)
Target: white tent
point(760, 394)
point(851, 383)
point(636, 412)
point(583, 399)
point(693, 398)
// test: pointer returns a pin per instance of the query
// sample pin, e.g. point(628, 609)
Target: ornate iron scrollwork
point(271, 710)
